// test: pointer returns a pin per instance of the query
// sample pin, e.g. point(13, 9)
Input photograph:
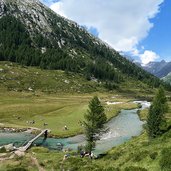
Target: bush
point(165, 161)
point(42, 164)
point(2, 150)
point(153, 155)
point(80, 148)
point(139, 105)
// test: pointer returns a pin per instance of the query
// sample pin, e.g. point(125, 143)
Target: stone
point(9, 147)
point(19, 153)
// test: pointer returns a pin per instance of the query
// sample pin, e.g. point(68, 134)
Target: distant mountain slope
point(167, 78)
point(165, 70)
point(32, 34)
point(159, 69)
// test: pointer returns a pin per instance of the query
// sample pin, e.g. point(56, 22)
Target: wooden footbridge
point(27, 146)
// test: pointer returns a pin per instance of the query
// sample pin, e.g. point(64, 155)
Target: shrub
point(139, 105)
point(153, 155)
point(2, 150)
point(42, 164)
point(80, 148)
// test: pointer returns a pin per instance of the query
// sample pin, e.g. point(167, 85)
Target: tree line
point(100, 61)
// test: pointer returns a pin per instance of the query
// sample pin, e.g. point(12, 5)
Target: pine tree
point(95, 119)
point(156, 114)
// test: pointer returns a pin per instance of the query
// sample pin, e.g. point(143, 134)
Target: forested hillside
point(167, 78)
point(36, 36)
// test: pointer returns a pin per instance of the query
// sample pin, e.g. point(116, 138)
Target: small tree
point(156, 113)
point(95, 119)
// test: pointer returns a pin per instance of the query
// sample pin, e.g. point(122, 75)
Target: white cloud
point(122, 24)
point(48, 2)
point(148, 56)
point(135, 52)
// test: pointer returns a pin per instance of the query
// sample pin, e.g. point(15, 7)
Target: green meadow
point(20, 109)
point(58, 98)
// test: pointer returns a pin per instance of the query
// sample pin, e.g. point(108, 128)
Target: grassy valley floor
point(21, 109)
point(58, 98)
point(138, 154)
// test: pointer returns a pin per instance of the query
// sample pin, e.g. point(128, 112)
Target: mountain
point(159, 69)
point(165, 70)
point(167, 78)
point(33, 35)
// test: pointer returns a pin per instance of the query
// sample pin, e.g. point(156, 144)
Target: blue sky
point(159, 38)
point(140, 29)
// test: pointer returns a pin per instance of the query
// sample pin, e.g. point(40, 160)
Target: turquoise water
point(121, 128)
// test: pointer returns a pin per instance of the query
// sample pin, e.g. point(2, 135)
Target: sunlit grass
point(55, 110)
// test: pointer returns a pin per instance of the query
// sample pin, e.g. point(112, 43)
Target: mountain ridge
point(32, 34)
point(159, 69)
point(167, 78)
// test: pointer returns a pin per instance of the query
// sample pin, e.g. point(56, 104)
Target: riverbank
point(136, 154)
point(119, 132)
point(24, 110)
point(33, 130)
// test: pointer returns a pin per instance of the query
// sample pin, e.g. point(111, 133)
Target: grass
point(19, 78)
point(17, 108)
point(59, 98)
point(138, 154)
point(143, 114)
point(14, 77)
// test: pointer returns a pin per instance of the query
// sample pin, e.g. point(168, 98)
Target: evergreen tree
point(95, 119)
point(91, 59)
point(156, 113)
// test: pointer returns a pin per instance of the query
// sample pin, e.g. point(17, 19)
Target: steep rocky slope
point(32, 34)
point(159, 69)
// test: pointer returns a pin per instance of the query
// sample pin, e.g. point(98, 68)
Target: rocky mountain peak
point(32, 34)
point(30, 12)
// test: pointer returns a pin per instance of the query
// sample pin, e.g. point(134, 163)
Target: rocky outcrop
point(9, 147)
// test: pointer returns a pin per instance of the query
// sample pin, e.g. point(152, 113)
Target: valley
point(56, 76)
point(57, 109)
point(20, 106)
point(136, 154)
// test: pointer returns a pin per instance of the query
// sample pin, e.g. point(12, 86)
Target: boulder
point(9, 147)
